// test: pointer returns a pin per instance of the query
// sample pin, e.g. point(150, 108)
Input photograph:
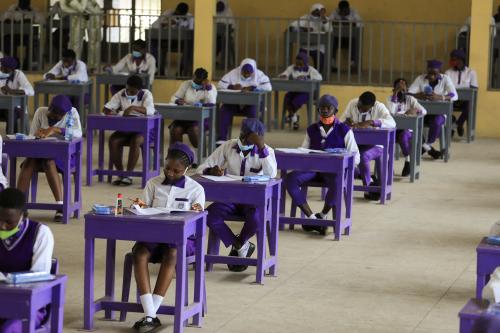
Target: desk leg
point(37, 96)
point(29, 324)
point(12, 171)
point(384, 169)
point(100, 156)
point(146, 152)
point(282, 202)
point(261, 242)
point(180, 270)
point(273, 230)
point(88, 285)
point(276, 111)
point(110, 274)
point(66, 188)
point(213, 130)
point(201, 140)
point(418, 157)
point(413, 152)
point(469, 121)
point(310, 108)
point(340, 183)
point(90, 142)
point(199, 275)
point(449, 124)
point(349, 187)
point(162, 141)
point(57, 308)
point(82, 111)
point(10, 118)
point(390, 171)
point(97, 96)
point(77, 202)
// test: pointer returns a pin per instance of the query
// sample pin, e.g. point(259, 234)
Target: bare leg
point(30, 165)
point(136, 143)
point(50, 169)
point(176, 133)
point(116, 143)
point(141, 271)
point(306, 209)
point(167, 270)
point(193, 133)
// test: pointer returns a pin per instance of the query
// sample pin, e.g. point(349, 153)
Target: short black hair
point(12, 198)
point(220, 6)
point(134, 81)
point(397, 81)
point(69, 53)
point(140, 44)
point(201, 73)
point(367, 98)
point(180, 156)
point(344, 4)
point(182, 8)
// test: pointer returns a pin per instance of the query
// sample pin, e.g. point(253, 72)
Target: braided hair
point(180, 156)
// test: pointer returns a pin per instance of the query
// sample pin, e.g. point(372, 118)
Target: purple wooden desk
point(472, 311)
point(51, 149)
point(264, 196)
point(341, 165)
point(384, 137)
point(171, 228)
point(143, 125)
point(23, 301)
point(488, 259)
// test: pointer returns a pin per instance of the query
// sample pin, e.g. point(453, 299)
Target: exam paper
point(154, 211)
point(221, 178)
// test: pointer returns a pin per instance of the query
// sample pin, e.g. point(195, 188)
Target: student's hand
point(180, 101)
point(6, 90)
point(128, 111)
point(364, 124)
point(108, 112)
point(197, 207)
point(50, 76)
point(216, 171)
point(43, 133)
point(255, 139)
point(247, 89)
point(436, 97)
point(349, 122)
point(139, 202)
point(412, 112)
point(236, 87)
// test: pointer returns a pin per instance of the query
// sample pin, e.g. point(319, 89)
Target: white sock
point(426, 146)
point(294, 118)
point(242, 252)
point(322, 215)
point(59, 202)
point(407, 159)
point(157, 300)
point(148, 305)
point(312, 216)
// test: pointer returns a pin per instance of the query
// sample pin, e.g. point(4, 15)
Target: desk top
point(373, 130)
point(171, 106)
point(30, 288)
point(239, 92)
point(115, 118)
point(174, 218)
point(2, 96)
point(41, 142)
point(483, 246)
point(236, 183)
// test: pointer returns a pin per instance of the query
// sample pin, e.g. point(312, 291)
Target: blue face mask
point(136, 54)
point(4, 76)
point(244, 147)
point(196, 86)
point(131, 99)
point(245, 79)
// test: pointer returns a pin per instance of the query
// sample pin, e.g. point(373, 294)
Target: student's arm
point(42, 250)
point(180, 94)
point(113, 105)
point(451, 91)
point(347, 114)
point(199, 196)
point(36, 123)
point(54, 72)
point(307, 142)
point(268, 160)
point(287, 72)
point(148, 103)
point(225, 82)
point(120, 65)
point(216, 159)
point(473, 79)
point(24, 84)
point(211, 95)
point(415, 86)
point(265, 83)
point(315, 75)
point(149, 193)
point(384, 118)
point(415, 105)
point(352, 146)
point(151, 61)
point(80, 74)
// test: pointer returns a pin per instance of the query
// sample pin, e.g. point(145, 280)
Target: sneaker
point(126, 181)
point(406, 169)
point(435, 154)
point(320, 229)
point(147, 325)
point(460, 131)
point(234, 253)
point(58, 217)
point(296, 124)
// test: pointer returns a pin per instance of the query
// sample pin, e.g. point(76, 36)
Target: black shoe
point(58, 217)
point(296, 124)
point(406, 169)
point(307, 228)
point(321, 230)
point(372, 196)
point(234, 253)
point(147, 325)
point(460, 131)
point(435, 153)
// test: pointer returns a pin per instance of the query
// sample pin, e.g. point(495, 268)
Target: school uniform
point(181, 194)
point(3, 180)
point(338, 136)
point(399, 106)
point(129, 65)
point(258, 81)
point(230, 157)
point(382, 119)
point(295, 100)
point(207, 96)
point(30, 249)
point(186, 21)
point(445, 87)
point(465, 78)
point(17, 80)
point(76, 72)
point(353, 17)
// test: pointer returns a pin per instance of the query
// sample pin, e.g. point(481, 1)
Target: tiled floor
point(408, 266)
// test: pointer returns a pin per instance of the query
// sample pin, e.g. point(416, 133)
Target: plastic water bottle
point(68, 132)
point(428, 90)
point(119, 205)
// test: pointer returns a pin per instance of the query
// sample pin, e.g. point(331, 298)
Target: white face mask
point(244, 147)
point(245, 79)
point(4, 75)
point(131, 99)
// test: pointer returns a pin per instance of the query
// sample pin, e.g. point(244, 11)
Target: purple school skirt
point(156, 249)
point(60, 163)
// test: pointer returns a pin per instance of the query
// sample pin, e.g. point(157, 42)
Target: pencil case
point(493, 240)
point(258, 178)
point(103, 209)
point(336, 150)
point(28, 277)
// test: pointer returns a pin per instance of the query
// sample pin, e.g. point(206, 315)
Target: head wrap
point(61, 103)
point(328, 100)
point(9, 62)
point(316, 6)
point(458, 53)
point(434, 64)
point(184, 149)
point(252, 125)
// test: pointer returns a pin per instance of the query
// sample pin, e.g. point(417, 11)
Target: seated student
point(14, 82)
point(71, 69)
point(225, 24)
point(50, 121)
point(25, 246)
point(246, 77)
point(329, 132)
point(137, 62)
point(462, 77)
point(3, 180)
point(315, 22)
point(132, 101)
point(402, 103)
point(433, 86)
point(294, 100)
point(180, 17)
point(345, 14)
point(247, 155)
point(171, 190)
point(199, 90)
point(364, 112)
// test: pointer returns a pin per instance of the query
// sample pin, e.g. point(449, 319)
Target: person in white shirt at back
point(462, 77)
point(132, 101)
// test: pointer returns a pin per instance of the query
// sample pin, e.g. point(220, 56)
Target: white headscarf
point(316, 6)
point(257, 79)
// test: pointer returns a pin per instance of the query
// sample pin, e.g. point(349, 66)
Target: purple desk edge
point(23, 301)
point(488, 259)
point(173, 229)
point(260, 195)
point(51, 149)
point(472, 311)
point(341, 165)
point(141, 125)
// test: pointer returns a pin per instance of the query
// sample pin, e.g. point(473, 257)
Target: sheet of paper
point(57, 81)
point(290, 150)
point(235, 177)
point(155, 211)
point(2, 277)
point(229, 90)
point(26, 137)
point(309, 151)
point(220, 178)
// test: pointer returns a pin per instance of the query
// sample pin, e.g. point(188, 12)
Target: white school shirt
point(466, 78)
point(192, 96)
point(78, 71)
point(40, 121)
point(16, 14)
point(409, 103)
point(183, 22)
point(228, 157)
point(352, 17)
point(314, 25)
point(226, 16)
point(19, 81)
point(170, 196)
point(119, 102)
point(311, 74)
point(377, 112)
point(444, 86)
point(3, 179)
point(127, 65)
point(257, 79)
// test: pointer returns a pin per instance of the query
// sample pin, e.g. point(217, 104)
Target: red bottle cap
point(120, 196)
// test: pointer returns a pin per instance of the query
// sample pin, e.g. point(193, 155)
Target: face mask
point(245, 79)
point(401, 95)
point(196, 86)
point(4, 234)
point(243, 147)
point(4, 75)
point(131, 99)
point(327, 120)
point(136, 54)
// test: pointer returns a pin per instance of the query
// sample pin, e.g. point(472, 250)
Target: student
point(433, 86)
point(315, 22)
point(179, 18)
point(3, 180)
point(14, 82)
point(364, 112)
point(25, 246)
point(247, 155)
point(294, 100)
point(199, 90)
point(224, 14)
point(246, 77)
point(132, 101)
point(225, 25)
point(137, 62)
point(50, 121)
point(462, 77)
point(329, 132)
point(171, 190)
point(401, 103)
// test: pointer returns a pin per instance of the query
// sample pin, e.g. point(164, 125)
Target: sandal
point(117, 182)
